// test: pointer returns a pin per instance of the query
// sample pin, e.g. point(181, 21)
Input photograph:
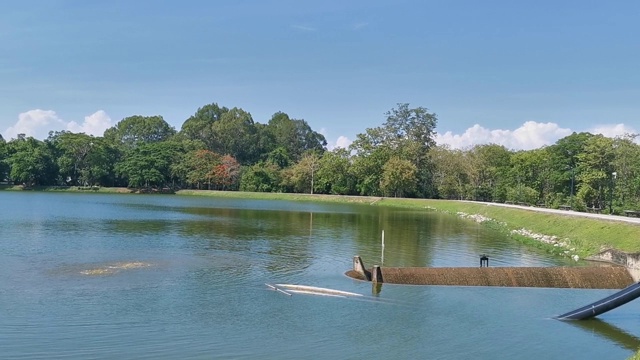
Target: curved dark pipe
point(602, 306)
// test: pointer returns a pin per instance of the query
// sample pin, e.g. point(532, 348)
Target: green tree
point(279, 156)
point(199, 126)
point(4, 166)
point(301, 176)
point(564, 158)
point(371, 153)
point(415, 125)
point(261, 177)
point(334, 175)
point(81, 159)
point(236, 135)
point(137, 129)
point(150, 164)
point(450, 172)
point(488, 166)
point(296, 136)
point(532, 170)
point(398, 177)
point(407, 134)
point(627, 167)
point(31, 162)
point(596, 164)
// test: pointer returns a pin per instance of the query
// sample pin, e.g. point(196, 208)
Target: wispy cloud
point(304, 28)
point(359, 25)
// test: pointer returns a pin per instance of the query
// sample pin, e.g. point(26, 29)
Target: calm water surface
point(168, 277)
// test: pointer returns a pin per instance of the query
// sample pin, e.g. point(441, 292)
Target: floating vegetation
point(110, 269)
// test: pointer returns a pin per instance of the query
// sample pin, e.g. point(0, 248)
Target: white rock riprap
point(548, 239)
point(475, 217)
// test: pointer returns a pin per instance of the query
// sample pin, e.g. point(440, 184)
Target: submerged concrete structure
point(591, 277)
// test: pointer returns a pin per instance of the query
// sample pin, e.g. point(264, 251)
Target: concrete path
point(631, 220)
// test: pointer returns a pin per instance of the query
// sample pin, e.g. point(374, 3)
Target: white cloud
point(38, 123)
point(341, 142)
point(613, 130)
point(530, 135)
point(94, 124)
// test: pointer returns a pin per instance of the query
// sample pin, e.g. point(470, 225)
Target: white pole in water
point(382, 255)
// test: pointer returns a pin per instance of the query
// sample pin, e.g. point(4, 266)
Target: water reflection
point(203, 295)
point(608, 332)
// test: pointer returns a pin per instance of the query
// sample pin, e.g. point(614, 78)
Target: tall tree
point(407, 133)
point(137, 129)
point(296, 136)
point(199, 126)
point(415, 125)
point(236, 135)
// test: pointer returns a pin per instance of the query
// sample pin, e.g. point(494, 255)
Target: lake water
point(168, 277)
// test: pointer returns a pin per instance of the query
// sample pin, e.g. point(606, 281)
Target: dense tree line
point(222, 148)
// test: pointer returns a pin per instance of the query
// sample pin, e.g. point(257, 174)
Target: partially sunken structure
point(591, 277)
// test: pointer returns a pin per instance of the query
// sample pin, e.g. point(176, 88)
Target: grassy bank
point(587, 235)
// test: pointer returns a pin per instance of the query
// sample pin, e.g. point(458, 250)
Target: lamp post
point(613, 177)
point(572, 167)
point(572, 177)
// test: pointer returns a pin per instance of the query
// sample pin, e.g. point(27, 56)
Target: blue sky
point(522, 74)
